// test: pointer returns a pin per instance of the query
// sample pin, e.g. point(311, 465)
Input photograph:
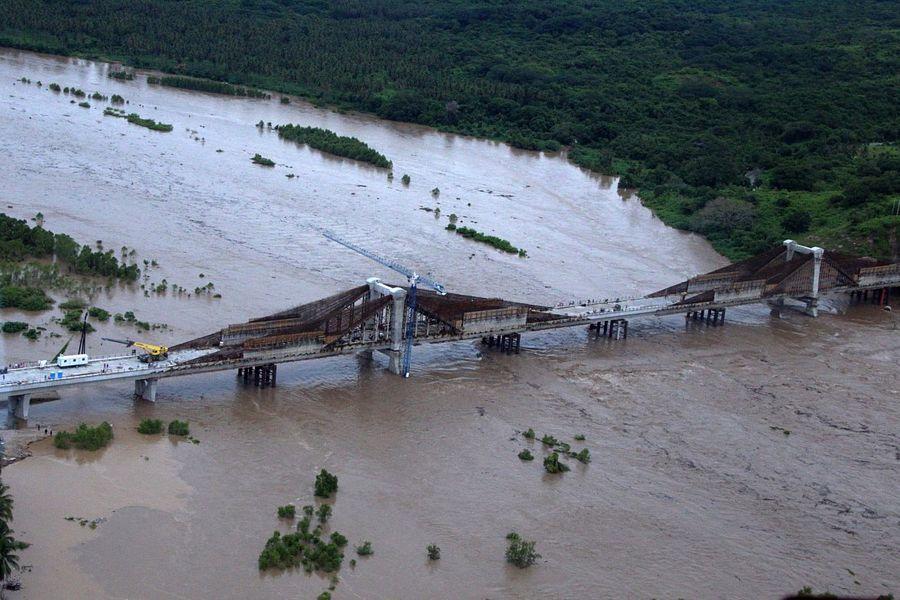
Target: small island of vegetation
point(121, 75)
point(332, 143)
point(259, 159)
point(85, 437)
point(490, 240)
point(136, 119)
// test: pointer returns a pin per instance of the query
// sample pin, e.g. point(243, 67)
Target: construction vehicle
point(154, 352)
point(412, 278)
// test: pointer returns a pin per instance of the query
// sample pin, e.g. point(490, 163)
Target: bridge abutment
point(18, 406)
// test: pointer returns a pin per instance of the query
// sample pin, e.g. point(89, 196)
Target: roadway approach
point(374, 316)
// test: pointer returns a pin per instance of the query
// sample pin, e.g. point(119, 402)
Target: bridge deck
point(365, 318)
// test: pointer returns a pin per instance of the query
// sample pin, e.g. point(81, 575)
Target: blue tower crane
point(413, 278)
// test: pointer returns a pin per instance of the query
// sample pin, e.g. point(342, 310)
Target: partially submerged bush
point(365, 549)
point(85, 437)
point(98, 313)
point(150, 426)
point(434, 553)
point(288, 511)
point(526, 454)
point(326, 483)
point(177, 427)
point(296, 549)
point(14, 327)
point(323, 513)
point(552, 464)
point(549, 440)
point(520, 552)
point(529, 434)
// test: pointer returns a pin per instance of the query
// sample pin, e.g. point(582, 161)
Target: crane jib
point(412, 277)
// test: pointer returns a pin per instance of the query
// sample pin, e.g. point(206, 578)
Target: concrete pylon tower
point(812, 306)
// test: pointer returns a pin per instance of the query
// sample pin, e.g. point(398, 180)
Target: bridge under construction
point(377, 316)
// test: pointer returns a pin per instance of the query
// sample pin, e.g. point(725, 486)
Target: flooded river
point(694, 489)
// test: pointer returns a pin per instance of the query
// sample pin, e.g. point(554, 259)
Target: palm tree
point(6, 503)
point(9, 560)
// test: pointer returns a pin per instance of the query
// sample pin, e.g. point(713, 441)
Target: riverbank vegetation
point(491, 240)
point(332, 143)
point(766, 111)
point(19, 241)
point(85, 437)
point(206, 85)
point(24, 298)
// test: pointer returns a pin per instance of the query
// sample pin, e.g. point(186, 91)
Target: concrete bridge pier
point(145, 389)
point(395, 363)
point(507, 342)
point(18, 406)
point(715, 316)
point(776, 307)
point(812, 307)
point(616, 329)
point(398, 315)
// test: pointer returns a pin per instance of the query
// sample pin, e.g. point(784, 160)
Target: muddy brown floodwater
point(694, 489)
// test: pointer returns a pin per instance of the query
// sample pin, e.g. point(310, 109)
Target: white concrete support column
point(18, 406)
point(145, 389)
point(812, 305)
point(398, 311)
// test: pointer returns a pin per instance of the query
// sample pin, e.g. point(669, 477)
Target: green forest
point(747, 121)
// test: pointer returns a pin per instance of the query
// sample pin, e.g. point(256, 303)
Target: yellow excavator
point(154, 352)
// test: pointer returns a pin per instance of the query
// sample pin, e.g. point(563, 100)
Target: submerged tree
point(520, 552)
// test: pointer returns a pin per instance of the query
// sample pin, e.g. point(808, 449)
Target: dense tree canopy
point(690, 100)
